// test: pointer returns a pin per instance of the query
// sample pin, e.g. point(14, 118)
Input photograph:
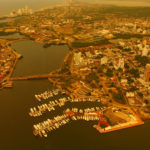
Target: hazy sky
point(6, 6)
point(123, 2)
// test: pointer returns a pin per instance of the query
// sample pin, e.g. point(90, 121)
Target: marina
point(49, 125)
point(47, 107)
point(88, 114)
point(42, 128)
point(47, 94)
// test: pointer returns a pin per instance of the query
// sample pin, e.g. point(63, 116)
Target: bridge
point(40, 76)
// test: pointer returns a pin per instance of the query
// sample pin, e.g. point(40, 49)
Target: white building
point(13, 13)
point(122, 43)
point(105, 32)
point(124, 81)
point(130, 94)
point(104, 60)
point(140, 46)
point(21, 11)
point(145, 51)
point(78, 58)
point(119, 63)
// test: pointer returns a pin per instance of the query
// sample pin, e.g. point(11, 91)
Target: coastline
point(6, 82)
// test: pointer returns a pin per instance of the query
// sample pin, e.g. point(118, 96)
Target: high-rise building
point(13, 13)
point(21, 11)
point(119, 63)
point(145, 51)
point(147, 73)
point(78, 58)
point(104, 60)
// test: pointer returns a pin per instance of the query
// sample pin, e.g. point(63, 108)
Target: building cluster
point(124, 65)
point(7, 60)
point(86, 58)
point(55, 27)
point(21, 11)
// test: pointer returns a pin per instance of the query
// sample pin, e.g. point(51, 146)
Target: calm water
point(12, 36)
point(16, 124)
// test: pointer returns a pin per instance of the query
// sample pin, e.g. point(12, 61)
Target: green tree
point(126, 66)
point(109, 72)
